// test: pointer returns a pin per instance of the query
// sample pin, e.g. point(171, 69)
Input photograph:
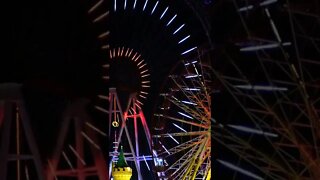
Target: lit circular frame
point(141, 67)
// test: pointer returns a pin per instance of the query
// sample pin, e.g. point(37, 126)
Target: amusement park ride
point(158, 123)
point(156, 102)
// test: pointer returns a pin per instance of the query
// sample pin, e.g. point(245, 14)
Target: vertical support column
point(114, 110)
point(136, 132)
point(79, 148)
point(30, 139)
point(5, 139)
point(12, 101)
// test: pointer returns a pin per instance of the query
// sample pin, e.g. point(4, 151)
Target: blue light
point(183, 39)
point(164, 12)
point(134, 5)
point(145, 4)
point(185, 115)
point(179, 28)
point(171, 19)
point(155, 6)
point(179, 127)
point(189, 50)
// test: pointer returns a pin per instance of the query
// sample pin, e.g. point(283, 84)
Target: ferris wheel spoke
point(189, 91)
point(183, 121)
point(190, 165)
point(196, 160)
point(184, 159)
point(183, 146)
point(251, 155)
point(193, 111)
point(194, 133)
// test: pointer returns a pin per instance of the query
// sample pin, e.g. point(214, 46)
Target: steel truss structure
point(274, 133)
point(120, 124)
point(21, 159)
point(81, 156)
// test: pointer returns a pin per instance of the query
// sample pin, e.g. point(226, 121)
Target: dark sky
point(51, 48)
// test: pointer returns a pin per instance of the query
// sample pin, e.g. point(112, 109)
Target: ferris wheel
point(269, 128)
point(142, 40)
point(182, 130)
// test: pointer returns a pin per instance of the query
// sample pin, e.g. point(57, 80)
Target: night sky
point(51, 48)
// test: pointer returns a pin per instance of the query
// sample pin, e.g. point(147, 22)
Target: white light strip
point(90, 140)
point(252, 130)
point(171, 19)
point(273, 26)
point(142, 66)
point(135, 3)
point(164, 12)
point(154, 8)
point(165, 149)
point(179, 28)
point(95, 6)
point(103, 35)
point(246, 8)
point(187, 116)
point(192, 89)
point(264, 3)
point(145, 4)
point(143, 92)
point(154, 153)
point(195, 69)
point(101, 109)
point(183, 39)
point(179, 127)
point(192, 76)
point(146, 162)
point(144, 71)
point(266, 46)
point(145, 75)
point(96, 129)
point(115, 5)
point(188, 102)
point(110, 53)
point(189, 50)
point(240, 170)
point(77, 155)
point(142, 96)
point(267, 2)
point(27, 173)
point(193, 62)
point(173, 138)
point(139, 102)
point(121, 51)
point(137, 58)
point(140, 62)
point(261, 88)
point(67, 159)
point(125, 4)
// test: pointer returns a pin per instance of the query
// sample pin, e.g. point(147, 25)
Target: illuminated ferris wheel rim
point(186, 135)
point(172, 21)
point(141, 66)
